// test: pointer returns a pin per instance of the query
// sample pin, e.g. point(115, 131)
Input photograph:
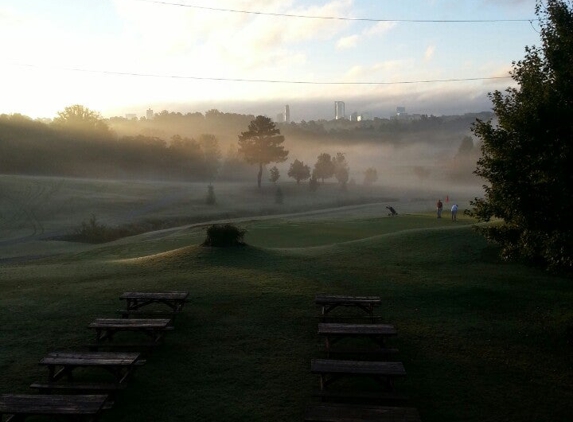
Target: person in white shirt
point(454, 212)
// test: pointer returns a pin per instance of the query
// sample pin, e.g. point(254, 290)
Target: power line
point(341, 18)
point(270, 81)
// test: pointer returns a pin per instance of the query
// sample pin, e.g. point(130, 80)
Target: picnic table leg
point(322, 382)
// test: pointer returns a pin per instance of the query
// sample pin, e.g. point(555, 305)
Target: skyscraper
point(339, 110)
point(287, 114)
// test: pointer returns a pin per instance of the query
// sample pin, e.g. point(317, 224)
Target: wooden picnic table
point(136, 300)
point(18, 407)
point(121, 365)
point(360, 413)
point(106, 328)
point(330, 370)
point(330, 302)
point(334, 332)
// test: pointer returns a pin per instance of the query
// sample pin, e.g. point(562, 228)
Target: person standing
point(455, 212)
point(439, 207)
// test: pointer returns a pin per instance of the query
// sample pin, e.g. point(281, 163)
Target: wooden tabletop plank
point(340, 299)
point(51, 404)
point(90, 358)
point(349, 413)
point(134, 323)
point(356, 329)
point(333, 366)
point(173, 295)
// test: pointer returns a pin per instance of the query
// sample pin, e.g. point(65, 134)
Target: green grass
point(480, 340)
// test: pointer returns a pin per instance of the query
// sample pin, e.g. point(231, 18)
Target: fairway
point(479, 339)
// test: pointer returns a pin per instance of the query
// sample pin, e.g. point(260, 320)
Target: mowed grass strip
point(480, 339)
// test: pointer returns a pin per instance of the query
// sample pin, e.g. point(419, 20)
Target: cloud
point(379, 29)
point(348, 42)
point(218, 42)
point(387, 71)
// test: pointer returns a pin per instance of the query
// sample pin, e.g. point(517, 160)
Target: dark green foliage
point(527, 156)
point(211, 200)
point(262, 144)
point(91, 231)
point(324, 167)
point(274, 174)
point(299, 171)
point(341, 169)
point(224, 235)
point(313, 183)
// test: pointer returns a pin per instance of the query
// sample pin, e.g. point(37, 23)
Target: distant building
point(354, 117)
point(401, 113)
point(131, 116)
point(339, 110)
point(149, 114)
point(284, 117)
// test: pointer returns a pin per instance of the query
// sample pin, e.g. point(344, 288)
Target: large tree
point(299, 171)
point(341, 169)
point(527, 155)
point(79, 118)
point(324, 167)
point(262, 144)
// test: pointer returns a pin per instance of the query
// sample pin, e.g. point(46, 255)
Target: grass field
point(480, 340)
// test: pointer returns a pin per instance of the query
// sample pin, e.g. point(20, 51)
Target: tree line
point(79, 143)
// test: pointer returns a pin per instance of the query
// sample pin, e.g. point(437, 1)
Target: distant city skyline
point(117, 56)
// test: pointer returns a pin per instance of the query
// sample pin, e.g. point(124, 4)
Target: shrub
point(224, 235)
point(279, 195)
point(92, 231)
point(313, 183)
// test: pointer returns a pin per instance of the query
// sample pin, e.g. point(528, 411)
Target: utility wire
point(270, 81)
point(340, 18)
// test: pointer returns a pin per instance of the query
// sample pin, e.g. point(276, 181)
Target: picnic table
point(334, 332)
point(174, 300)
point(120, 365)
point(106, 328)
point(331, 370)
point(362, 413)
point(18, 407)
point(330, 302)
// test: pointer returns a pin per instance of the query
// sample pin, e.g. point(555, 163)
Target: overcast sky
point(124, 56)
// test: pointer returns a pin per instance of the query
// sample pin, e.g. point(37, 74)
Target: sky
point(125, 56)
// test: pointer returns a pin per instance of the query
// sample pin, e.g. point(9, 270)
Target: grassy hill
point(480, 339)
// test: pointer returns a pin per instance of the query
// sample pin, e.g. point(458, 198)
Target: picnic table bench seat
point(359, 413)
point(357, 396)
point(331, 370)
point(380, 353)
point(142, 347)
point(348, 318)
point(79, 387)
point(18, 407)
point(138, 313)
